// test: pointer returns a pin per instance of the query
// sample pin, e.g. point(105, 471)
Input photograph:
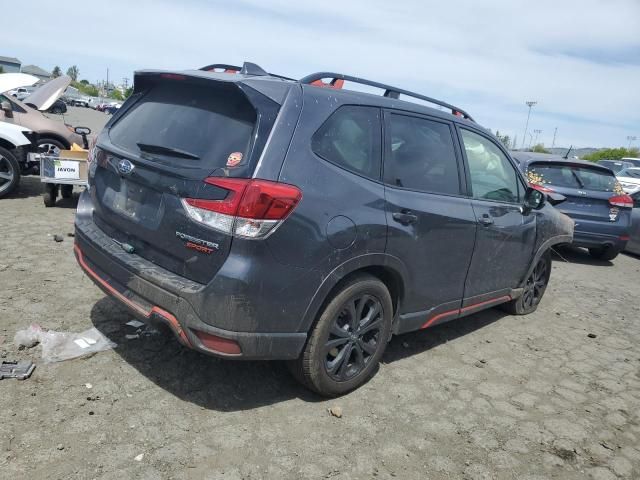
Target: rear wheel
point(604, 253)
point(9, 172)
point(534, 288)
point(347, 342)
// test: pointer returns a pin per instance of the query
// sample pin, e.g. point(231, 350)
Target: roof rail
point(337, 82)
point(247, 68)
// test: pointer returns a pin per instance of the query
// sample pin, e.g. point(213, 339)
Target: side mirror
point(82, 130)
point(533, 199)
point(555, 198)
point(6, 106)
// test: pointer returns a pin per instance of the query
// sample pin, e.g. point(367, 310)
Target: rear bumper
point(599, 240)
point(152, 303)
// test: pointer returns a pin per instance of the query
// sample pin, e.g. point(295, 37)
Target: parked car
point(633, 245)
point(615, 165)
point(112, 108)
point(632, 160)
point(595, 200)
point(79, 101)
point(257, 228)
point(629, 178)
point(53, 135)
point(15, 144)
point(22, 92)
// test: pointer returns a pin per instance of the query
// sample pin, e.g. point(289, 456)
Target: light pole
point(631, 138)
point(537, 132)
point(530, 103)
point(553, 144)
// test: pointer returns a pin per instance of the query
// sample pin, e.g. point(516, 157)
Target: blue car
point(594, 200)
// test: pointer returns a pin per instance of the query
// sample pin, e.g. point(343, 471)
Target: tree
point(1, 69)
point(539, 148)
point(57, 71)
point(84, 81)
point(504, 139)
point(128, 92)
point(116, 95)
point(612, 154)
point(73, 72)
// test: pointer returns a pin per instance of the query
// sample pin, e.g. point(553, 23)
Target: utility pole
point(530, 139)
point(530, 103)
point(125, 83)
point(631, 138)
point(537, 132)
point(553, 144)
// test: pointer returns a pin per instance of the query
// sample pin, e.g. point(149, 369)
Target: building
point(10, 64)
point(36, 71)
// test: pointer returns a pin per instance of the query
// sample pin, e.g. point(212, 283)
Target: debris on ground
point(58, 238)
point(88, 385)
point(138, 458)
point(22, 369)
point(71, 234)
point(132, 336)
point(591, 335)
point(60, 446)
point(336, 411)
point(59, 346)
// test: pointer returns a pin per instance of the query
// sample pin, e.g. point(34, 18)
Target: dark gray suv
point(267, 218)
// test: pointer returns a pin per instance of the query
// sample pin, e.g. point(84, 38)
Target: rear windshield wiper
point(146, 147)
point(580, 183)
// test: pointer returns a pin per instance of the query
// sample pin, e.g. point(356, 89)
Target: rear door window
point(420, 155)
point(351, 138)
point(191, 125)
point(573, 176)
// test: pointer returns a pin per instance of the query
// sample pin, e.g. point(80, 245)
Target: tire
point(49, 145)
point(604, 253)
point(56, 110)
point(66, 191)
point(50, 194)
point(343, 352)
point(534, 288)
point(9, 172)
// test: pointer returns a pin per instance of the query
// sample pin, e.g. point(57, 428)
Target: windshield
point(188, 125)
point(573, 176)
point(630, 172)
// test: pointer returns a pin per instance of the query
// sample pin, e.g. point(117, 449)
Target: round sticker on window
point(234, 159)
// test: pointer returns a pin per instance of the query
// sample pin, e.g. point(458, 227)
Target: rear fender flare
point(542, 249)
point(342, 271)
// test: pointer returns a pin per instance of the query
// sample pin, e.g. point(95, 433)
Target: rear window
point(571, 176)
point(201, 126)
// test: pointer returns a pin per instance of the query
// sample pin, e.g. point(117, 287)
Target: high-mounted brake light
point(541, 188)
point(252, 208)
point(624, 201)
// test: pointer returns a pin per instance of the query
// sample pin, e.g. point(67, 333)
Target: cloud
point(578, 59)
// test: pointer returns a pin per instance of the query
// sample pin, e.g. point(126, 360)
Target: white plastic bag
point(59, 346)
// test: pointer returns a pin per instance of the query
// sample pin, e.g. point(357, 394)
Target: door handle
point(485, 220)
point(405, 217)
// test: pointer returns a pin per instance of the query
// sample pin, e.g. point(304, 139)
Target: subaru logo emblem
point(125, 167)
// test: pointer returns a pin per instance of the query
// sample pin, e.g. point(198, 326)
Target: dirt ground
point(488, 396)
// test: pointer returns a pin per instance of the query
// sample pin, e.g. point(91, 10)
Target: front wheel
point(604, 253)
point(534, 288)
point(347, 342)
point(9, 172)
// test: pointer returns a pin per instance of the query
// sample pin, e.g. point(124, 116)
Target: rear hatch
point(174, 132)
point(587, 189)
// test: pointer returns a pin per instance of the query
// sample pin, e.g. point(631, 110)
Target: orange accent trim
point(171, 319)
point(458, 311)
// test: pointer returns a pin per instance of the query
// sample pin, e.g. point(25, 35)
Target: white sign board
point(67, 169)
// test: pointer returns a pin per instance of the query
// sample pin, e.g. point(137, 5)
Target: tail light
point(252, 208)
point(541, 188)
point(624, 201)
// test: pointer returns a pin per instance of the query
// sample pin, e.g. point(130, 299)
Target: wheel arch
point(53, 136)
point(544, 248)
point(389, 269)
point(6, 144)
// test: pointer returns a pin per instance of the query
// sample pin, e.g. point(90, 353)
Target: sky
point(579, 59)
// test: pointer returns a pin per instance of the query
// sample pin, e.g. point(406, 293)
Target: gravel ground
point(552, 395)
